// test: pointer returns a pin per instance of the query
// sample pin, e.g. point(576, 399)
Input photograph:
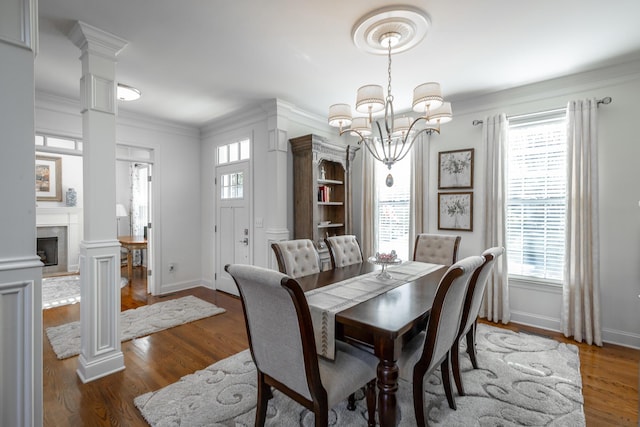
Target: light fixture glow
point(127, 93)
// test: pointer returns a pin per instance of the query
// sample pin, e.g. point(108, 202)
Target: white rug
point(64, 290)
point(523, 380)
point(134, 323)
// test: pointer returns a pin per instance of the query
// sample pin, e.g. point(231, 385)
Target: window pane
point(536, 199)
point(234, 152)
point(393, 204)
point(61, 143)
point(223, 157)
point(39, 140)
point(244, 149)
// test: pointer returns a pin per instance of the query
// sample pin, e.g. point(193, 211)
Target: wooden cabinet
point(321, 187)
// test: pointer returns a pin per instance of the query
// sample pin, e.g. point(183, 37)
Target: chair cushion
point(435, 248)
point(300, 257)
point(351, 369)
point(345, 250)
point(411, 353)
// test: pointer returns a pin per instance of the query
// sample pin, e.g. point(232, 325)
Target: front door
point(233, 234)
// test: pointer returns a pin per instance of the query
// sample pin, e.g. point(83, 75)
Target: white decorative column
point(276, 220)
point(20, 268)
point(100, 250)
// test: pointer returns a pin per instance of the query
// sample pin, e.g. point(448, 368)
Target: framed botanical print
point(455, 211)
point(455, 169)
point(48, 179)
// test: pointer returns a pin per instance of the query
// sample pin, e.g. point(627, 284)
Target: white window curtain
point(369, 205)
point(495, 306)
point(416, 211)
point(580, 316)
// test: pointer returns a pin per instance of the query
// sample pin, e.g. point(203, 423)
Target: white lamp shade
point(362, 125)
point(121, 210)
point(441, 114)
point(370, 99)
point(401, 125)
point(427, 95)
point(340, 115)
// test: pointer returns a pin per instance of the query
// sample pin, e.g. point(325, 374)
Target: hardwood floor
point(609, 374)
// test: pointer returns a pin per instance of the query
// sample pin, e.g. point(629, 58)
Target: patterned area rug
point(64, 290)
point(523, 380)
point(134, 323)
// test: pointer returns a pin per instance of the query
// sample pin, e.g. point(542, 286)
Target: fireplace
point(51, 247)
point(47, 250)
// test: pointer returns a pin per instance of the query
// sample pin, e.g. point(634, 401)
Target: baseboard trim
point(609, 336)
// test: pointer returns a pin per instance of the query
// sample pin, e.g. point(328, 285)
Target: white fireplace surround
point(71, 218)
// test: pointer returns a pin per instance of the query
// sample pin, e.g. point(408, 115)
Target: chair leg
point(471, 345)
point(264, 391)
point(322, 415)
point(371, 402)
point(446, 381)
point(351, 402)
point(455, 366)
point(418, 397)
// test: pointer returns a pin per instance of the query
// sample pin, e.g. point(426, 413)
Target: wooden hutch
point(321, 188)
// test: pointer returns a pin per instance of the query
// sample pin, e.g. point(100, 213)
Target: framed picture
point(455, 169)
point(455, 211)
point(48, 179)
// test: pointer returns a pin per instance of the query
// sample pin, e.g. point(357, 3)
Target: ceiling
point(198, 60)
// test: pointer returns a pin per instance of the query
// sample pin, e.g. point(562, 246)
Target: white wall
point(176, 197)
point(539, 305)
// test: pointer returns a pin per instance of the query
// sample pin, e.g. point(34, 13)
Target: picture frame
point(455, 211)
point(48, 179)
point(455, 169)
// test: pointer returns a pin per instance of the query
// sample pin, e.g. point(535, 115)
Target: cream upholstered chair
point(344, 250)
point(283, 347)
point(436, 248)
point(297, 258)
point(470, 310)
point(431, 348)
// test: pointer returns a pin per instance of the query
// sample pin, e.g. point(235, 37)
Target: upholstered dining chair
point(469, 319)
point(283, 348)
point(297, 258)
point(431, 348)
point(436, 248)
point(344, 250)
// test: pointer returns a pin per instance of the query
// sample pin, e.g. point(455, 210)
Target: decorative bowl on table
point(385, 260)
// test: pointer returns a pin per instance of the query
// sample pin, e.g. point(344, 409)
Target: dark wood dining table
point(383, 323)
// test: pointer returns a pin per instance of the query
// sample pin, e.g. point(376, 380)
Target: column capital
point(96, 41)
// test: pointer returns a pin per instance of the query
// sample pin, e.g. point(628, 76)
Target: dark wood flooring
point(609, 374)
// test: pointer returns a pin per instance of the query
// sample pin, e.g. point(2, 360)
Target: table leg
point(129, 264)
point(387, 388)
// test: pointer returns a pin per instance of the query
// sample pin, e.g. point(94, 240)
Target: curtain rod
point(605, 100)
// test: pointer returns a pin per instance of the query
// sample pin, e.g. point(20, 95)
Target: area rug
point(64, 290)
point(523, 380)
point(138, 322)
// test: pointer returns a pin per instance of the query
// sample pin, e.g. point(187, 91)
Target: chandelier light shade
point(389, 139)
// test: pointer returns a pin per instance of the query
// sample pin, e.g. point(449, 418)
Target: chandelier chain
point(389, 96)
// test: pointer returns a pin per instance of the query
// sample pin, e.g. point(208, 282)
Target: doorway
point(134, 192)
point(233, 233)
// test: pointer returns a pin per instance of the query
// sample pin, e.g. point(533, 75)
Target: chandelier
point(392, 140)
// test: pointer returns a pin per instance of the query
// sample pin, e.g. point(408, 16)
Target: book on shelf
point(324, 193)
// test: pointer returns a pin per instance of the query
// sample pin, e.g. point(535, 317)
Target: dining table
point(382, 323)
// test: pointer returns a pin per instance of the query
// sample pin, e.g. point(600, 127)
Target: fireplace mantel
point(70, 217)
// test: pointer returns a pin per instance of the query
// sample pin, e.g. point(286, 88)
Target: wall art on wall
point(455, 169)
point(48, 179)
point(455, 211)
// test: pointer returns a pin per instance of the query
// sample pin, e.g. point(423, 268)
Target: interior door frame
point(216, 236)
point(128, 153)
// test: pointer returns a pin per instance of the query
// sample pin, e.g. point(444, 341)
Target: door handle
point(245, 241)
